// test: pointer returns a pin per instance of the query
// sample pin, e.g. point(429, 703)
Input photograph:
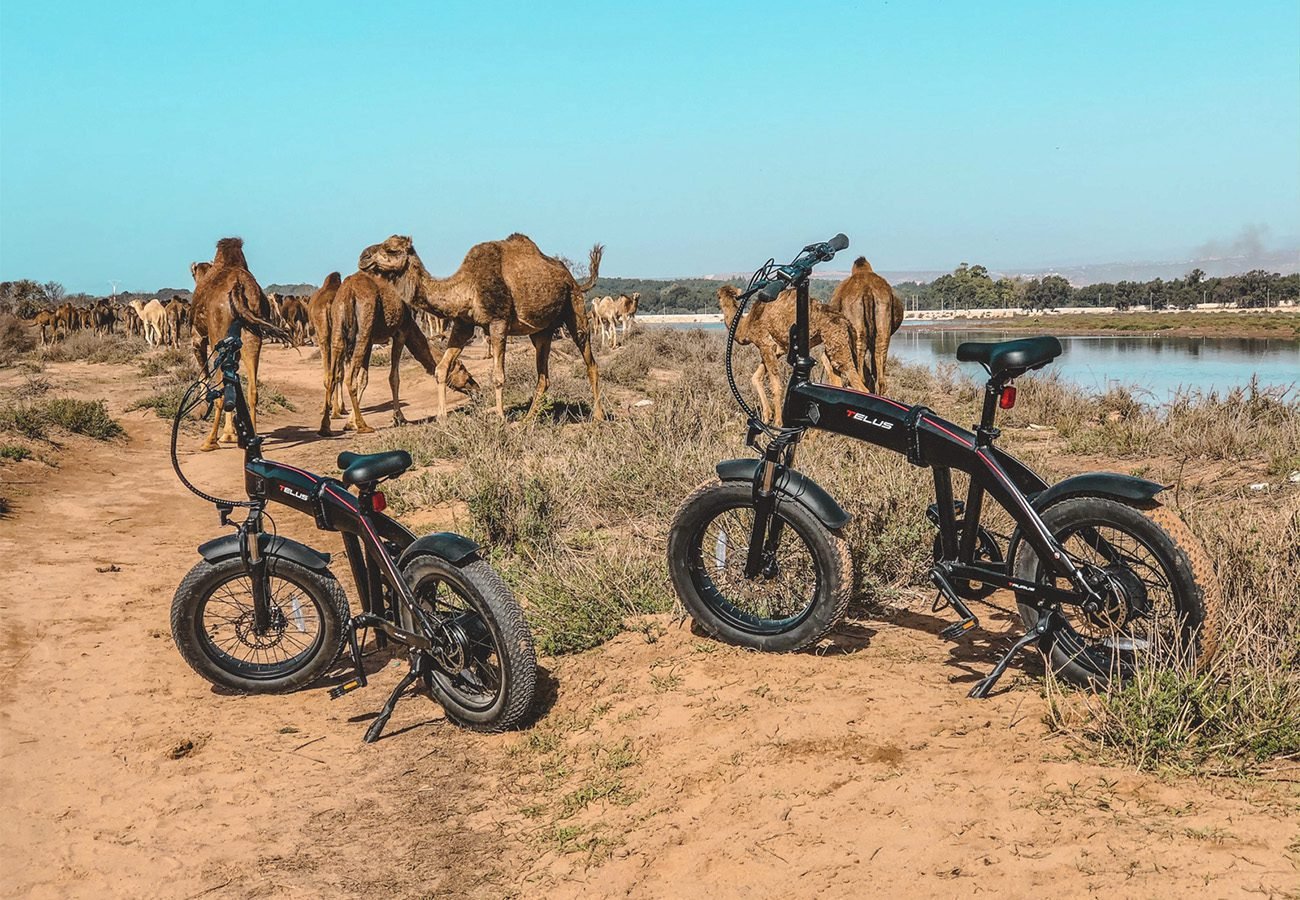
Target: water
point(1153, 365)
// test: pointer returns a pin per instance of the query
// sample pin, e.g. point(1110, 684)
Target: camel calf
point(767, 327)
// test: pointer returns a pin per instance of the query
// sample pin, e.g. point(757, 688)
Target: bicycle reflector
point(1008, 397)
point(377, 502)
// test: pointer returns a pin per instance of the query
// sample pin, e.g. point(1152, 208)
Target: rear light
point(1008, 398)
point(377, 502)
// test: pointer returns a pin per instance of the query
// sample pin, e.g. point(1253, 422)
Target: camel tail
point(861, 265)
point(244, 310)
point(593, 271)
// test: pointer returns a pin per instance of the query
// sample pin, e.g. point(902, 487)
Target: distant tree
point(54, 292)
point(1050, 292)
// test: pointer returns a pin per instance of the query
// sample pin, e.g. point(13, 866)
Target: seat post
point(986, 433)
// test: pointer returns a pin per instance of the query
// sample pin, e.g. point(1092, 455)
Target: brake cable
point(183, 409)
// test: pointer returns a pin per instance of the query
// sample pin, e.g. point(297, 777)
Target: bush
point(95, 348)
point(15, 339)
point(14, 452)
point(34, 420)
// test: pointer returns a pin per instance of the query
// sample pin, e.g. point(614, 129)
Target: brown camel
point(47, 321)
point(767, 327)
point(223, 290)
point(105, 316)
point(293, 317)
point(504, 287)
point(177, 313)
point(869, 303)
point(352, 316)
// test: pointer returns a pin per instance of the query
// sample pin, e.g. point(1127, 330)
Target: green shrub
point(85, 417)
point(14, 452)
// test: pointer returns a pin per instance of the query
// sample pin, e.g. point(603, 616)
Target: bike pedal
point(346, 687)
point(956, 630)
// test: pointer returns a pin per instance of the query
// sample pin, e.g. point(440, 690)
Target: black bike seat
point(358, 468)
point(1007, 356)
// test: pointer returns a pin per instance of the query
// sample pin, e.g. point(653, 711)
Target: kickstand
point(377, 726)
point(1046, 623)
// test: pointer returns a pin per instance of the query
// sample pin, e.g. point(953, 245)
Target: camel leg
point(776, 384)
point(461, 334)
point(760, 374)
point(394, 377)
point(542, 346)
point(217, 410)
point(884, 330)
point(357, 380)
point(497, 344)
point(583, 340)
point(333, 388)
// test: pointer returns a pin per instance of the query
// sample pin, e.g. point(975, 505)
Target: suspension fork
point(765, 536)
point(250, 550)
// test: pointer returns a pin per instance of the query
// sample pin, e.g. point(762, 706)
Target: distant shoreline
point(1279, 322)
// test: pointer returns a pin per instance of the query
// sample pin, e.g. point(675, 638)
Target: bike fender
point(455, 548)
point(1125, 488)
point(271, 545)
point(792, 486)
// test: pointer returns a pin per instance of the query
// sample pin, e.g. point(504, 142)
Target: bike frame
point(371, 540)
point(928, 441)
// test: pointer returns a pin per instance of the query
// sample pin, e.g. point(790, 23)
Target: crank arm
point(399, 635)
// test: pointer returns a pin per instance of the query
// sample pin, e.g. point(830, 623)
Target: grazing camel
point(153, 317)
point(224, 290)
point(353, 315)
point(875, 313)
point(767, 327)
point(504, 287)
point(609, 313)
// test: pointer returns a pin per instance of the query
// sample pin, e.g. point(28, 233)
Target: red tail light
point(1008, 398)
point(377, 501)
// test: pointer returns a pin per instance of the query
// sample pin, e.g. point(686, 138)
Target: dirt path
point(664, 765)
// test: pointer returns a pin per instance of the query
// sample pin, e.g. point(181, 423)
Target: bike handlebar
point(799, 268)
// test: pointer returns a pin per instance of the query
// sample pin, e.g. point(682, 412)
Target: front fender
point(793, 486)
point(271, 545)
point(1124, 488)
point(455, 548)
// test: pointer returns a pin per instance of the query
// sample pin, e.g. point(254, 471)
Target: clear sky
point(690, 138)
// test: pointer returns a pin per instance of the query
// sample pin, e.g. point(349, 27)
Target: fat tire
point(834, 565)
point(1197, 591)
point(497, 606)
point(199, 583)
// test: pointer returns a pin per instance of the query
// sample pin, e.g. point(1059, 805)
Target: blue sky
point(689, 137)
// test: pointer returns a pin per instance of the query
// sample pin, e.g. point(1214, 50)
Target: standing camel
point(353, 315)
point(869, 303)
point(153, 318)
point(609, 313)
point(505, 287)
point(224, 290)
point(767, 327)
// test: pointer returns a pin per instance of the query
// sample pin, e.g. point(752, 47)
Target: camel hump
point(333, 280)
point(861, 265)
point(230, 252)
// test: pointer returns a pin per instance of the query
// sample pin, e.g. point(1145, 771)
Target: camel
point(105, 316)
point(293, 317)
point(224, 290)
point(154, 319)
point(48, 323)
point(767, 327)
point(361, 311)
point(609, 313)
point(505, 287)
point(177, 313)
point(875, 313)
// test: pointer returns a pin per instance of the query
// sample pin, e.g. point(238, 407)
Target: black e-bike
point(260, 613)
point(1105, 577)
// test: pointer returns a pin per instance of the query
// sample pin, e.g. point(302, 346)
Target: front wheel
point(212, 624)
point(799, 595)
point(483, 668)
point(1162, 597)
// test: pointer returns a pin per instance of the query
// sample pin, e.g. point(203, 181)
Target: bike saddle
point(358, 468)
point(1011, 356)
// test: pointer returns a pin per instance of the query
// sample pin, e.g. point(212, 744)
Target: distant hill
point(297, 290)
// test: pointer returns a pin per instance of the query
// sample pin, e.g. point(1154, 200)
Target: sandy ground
point(661, 765)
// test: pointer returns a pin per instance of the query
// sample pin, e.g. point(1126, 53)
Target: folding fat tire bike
point(1106, 578)
point(260, 613)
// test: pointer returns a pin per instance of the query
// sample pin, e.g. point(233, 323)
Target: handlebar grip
point(838, 243)
point(771, 291)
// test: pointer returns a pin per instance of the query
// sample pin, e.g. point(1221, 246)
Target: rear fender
point(455, 548)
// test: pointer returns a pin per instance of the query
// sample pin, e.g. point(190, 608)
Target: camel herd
point(503, 288)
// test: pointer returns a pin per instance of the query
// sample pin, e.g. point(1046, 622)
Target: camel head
point(728, 295)
point(389, 258)
point(230, 252)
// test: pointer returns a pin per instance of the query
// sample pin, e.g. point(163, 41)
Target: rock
point(641, 403)
point(1294, 478)
point(1259, 486)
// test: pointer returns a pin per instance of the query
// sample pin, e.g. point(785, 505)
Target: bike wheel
point(484, 667)
point(212, 624)
point(802, 594)
point(1163, 598)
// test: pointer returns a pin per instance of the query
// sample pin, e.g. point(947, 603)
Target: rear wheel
point(483, 666)
point(1162, 596)
point(801, 593)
